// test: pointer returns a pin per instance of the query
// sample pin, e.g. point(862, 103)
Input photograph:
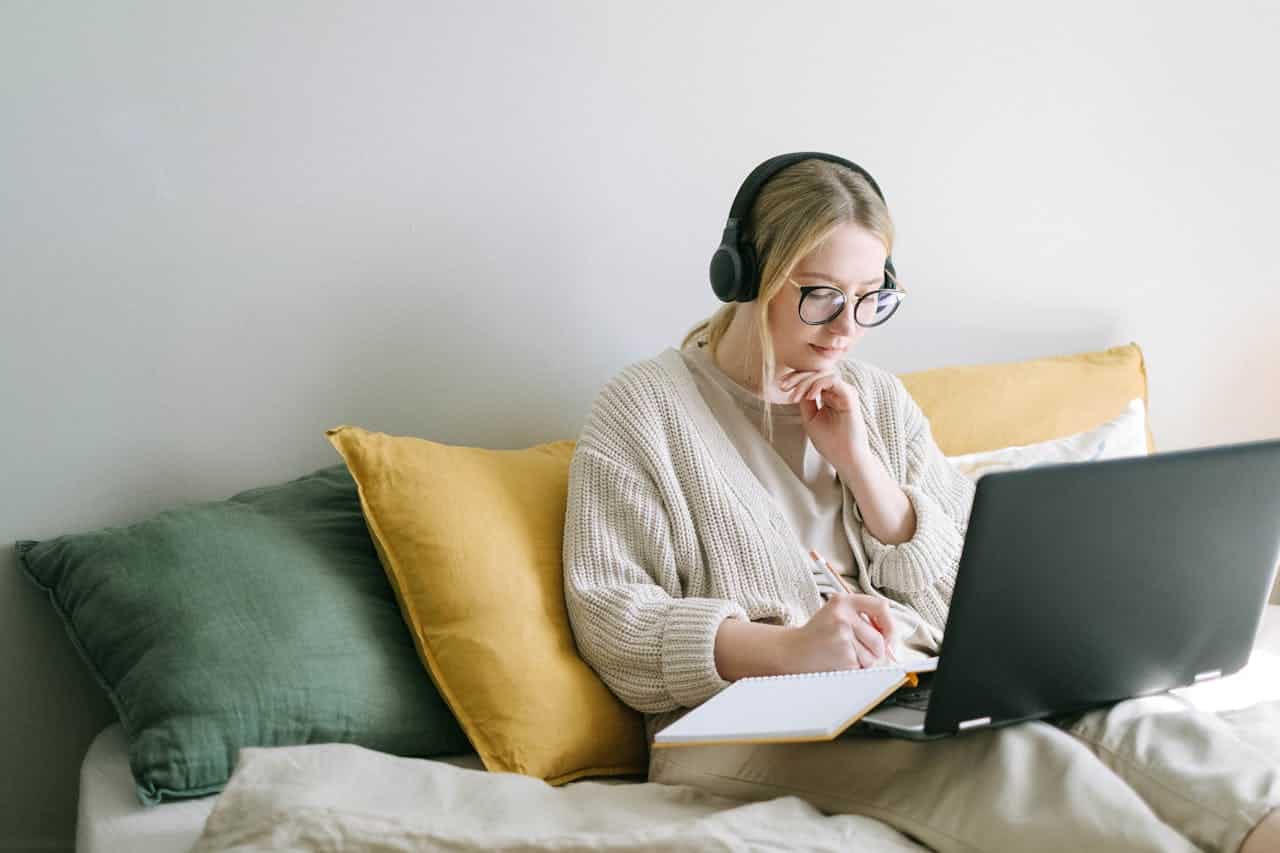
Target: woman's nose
point(844, 324)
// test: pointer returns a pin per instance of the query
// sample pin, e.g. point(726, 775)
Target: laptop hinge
point(975, 722)
point(1213, 673)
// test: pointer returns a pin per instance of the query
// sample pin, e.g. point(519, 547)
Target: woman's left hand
point(837, 430)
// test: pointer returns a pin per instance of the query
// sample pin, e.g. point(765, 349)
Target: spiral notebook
point(809, 706)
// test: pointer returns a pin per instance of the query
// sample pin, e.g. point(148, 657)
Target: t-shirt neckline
point(785, 411)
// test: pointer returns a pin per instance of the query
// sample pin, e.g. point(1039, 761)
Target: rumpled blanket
point(341, 797)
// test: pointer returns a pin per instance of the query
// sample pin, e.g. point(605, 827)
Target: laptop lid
point(1081, 584)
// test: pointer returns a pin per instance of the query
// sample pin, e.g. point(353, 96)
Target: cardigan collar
point(734, 466)
point(748, 487)
point(740, 475)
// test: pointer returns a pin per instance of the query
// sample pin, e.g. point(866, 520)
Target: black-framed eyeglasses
point(822, 303)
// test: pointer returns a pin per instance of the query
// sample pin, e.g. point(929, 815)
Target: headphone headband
point(735, 274)
point(742, 202)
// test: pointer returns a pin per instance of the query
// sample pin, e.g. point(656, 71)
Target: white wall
point(227, 226)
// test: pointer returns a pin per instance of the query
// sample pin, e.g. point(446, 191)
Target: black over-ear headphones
point(735, 273)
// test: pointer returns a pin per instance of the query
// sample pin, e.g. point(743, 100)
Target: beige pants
point(1152, 773)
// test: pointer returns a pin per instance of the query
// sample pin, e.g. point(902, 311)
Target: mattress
point(112, 820)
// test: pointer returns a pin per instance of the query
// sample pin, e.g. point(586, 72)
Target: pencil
point(844, 584)
point(839, 578)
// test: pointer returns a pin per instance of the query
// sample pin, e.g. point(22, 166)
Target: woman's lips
point(825, 350)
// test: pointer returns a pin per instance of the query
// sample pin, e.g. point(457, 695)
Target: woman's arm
point(836, 637)
point(886, 510)
point(750, 648)
point(655, 649)
point(919, 570)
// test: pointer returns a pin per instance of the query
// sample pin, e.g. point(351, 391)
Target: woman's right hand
point(838, 637)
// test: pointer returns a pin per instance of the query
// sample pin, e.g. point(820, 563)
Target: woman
point(705, 476)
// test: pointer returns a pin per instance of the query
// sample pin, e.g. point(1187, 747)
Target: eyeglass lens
point(822, 304)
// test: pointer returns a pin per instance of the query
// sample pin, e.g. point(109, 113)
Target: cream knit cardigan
point(668, 531)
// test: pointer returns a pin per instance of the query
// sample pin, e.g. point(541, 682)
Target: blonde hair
point(794, 212)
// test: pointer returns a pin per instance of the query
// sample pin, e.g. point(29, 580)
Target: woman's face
point(851, 259)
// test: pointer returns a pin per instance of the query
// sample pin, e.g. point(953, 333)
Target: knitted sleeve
point(653, 647)
point(921, 572)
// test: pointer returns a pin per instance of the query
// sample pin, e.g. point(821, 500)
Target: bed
point(342, 796)
point(214, 660)
point(111, 820)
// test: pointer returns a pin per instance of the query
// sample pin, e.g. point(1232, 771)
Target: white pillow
point(1124, 435)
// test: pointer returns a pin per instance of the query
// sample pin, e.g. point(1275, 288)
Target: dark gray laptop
point(1081, 584)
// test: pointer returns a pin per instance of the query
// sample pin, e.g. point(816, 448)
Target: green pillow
point(262, 620)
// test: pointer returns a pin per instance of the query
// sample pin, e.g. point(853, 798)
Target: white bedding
point(451, 802)
point(343, 797)
point(112, 820)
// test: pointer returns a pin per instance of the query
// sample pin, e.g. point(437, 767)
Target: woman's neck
point(737, 354)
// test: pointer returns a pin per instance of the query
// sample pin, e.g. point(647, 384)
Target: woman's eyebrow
point(835, 280)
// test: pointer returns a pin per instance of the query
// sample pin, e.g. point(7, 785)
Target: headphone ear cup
point(726, 273)
point(750, 280)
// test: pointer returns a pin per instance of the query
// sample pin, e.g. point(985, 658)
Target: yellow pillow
point(989, 406)
point(471, 541)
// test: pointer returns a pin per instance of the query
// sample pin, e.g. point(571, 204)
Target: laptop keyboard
point(916, 698)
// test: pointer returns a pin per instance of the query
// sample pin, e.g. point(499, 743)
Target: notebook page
point(807, 706)
point(928, 664)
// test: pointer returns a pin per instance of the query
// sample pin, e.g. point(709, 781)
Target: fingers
point(871, 642)
point(863, 656)
point(871, 627)
point(805, 385)
point(791, 378)
point(878, 610)
point(813, 390)
point(810, 387)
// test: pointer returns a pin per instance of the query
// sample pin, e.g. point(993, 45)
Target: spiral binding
point(826, 672)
